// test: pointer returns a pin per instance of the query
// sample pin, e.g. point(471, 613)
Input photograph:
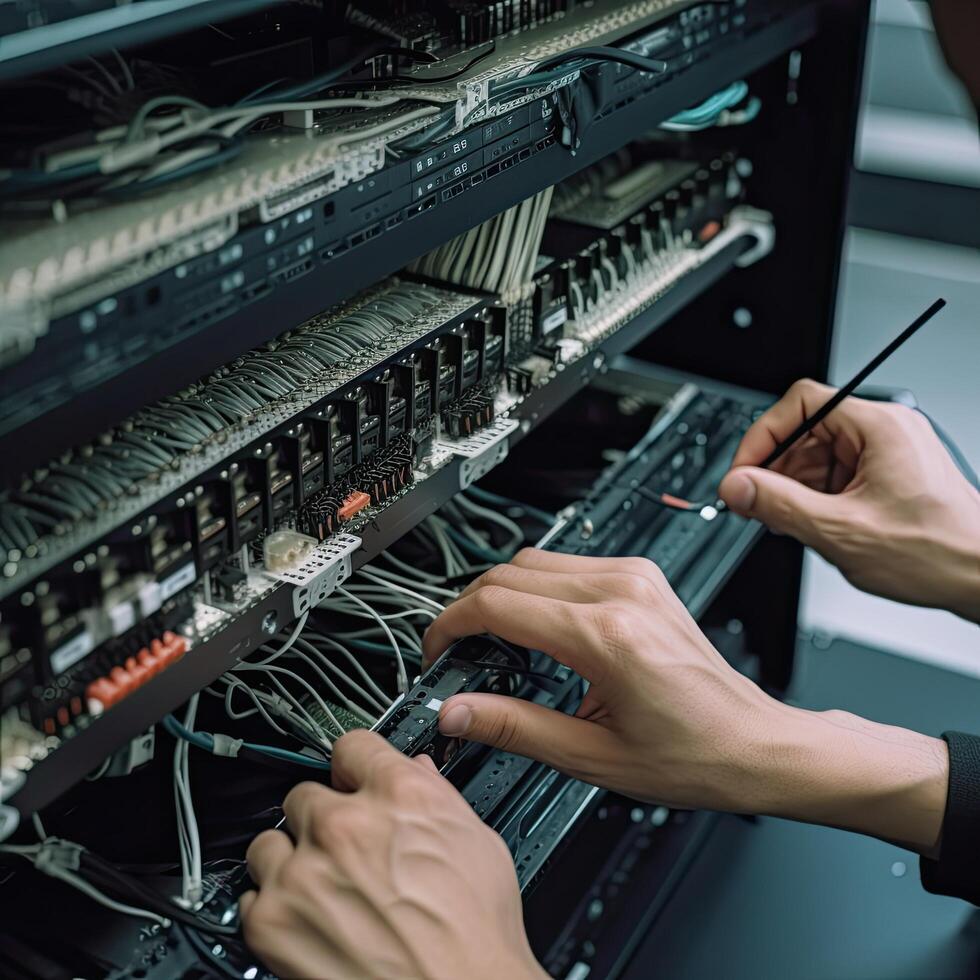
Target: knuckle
point(301, 794)
point(648, 569)
point(406, 788)
point(525, 555)
point(615, 626)
point(293, 880)
point(636, 586)
point(340, 825)
point(259, 843)
point(497, 576)
point(489, 598)
point(260, 923)
point(806, 386)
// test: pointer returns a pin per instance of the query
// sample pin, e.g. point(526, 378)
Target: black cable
point(424, 79)
point(197, 941)
point(606, 53)
point(111, 879)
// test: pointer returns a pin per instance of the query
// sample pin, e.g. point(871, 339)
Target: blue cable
point(205, 741)
point(495, 498)
point(708, 111)
point(485, 554)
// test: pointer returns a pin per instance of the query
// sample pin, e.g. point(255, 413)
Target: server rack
point(759, 327)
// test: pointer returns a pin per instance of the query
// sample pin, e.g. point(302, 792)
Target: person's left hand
point(391, 875)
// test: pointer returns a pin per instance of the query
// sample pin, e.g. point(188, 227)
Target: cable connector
point(225, 745)
point(56, 854)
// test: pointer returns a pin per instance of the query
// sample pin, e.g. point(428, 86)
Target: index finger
point(358, 756)
point(803, 398)
point(553, 626)
point(305, 804)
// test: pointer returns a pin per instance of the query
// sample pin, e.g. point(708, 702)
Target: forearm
point(964, 586)
point(840, 770)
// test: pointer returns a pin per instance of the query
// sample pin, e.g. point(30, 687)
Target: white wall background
point(886, 280)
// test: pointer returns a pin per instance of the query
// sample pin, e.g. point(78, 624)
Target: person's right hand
point(666, 719)
point(873, 490)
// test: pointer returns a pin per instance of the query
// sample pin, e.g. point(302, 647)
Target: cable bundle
point(716, 111)
point(90, 480)
point(152, 150)
point(498, 256)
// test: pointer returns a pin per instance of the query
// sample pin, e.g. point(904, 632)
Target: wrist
point(965, 581)
point(522, 966)
point(837, 769)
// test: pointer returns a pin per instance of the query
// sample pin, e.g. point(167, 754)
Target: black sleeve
point(957, 870)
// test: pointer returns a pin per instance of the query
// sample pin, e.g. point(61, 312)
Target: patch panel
point(90, 332)
point(336, 456)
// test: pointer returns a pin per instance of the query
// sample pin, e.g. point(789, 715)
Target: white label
point(122, 616)
point(180, 579)
point(554, 320)
point(71, 652)
point(150, 598)
point(434, 704)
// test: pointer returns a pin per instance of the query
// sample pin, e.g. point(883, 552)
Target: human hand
point(873, 490)
point(666, 719)
point(388, 874)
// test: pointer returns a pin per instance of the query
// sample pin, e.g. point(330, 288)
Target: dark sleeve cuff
point(957, 870)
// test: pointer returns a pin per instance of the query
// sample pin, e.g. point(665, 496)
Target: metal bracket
point(482, 451)
point(323, 570)
point(759, 224)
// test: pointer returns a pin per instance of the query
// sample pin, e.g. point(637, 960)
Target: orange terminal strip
point(353, 503)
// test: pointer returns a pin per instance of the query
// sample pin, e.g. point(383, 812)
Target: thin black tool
point(808, 424)
point(709, 509)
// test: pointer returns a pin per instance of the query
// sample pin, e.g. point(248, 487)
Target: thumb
point(521, 727)
point(781, 503)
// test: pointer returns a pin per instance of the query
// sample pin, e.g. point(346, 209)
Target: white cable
point(425, 585)
point(31, 852)
point(517, 535)
point(402, 674)
point(406, 591)
point(405, 567)
point(110, 903)
point(444, 546)
point(365, 676)
point(376, 703)
point(236, 683)
point(101, 771)
point(189, 839)
point(38, 826)
point(290, 640)
point(124, 155)
point(341, 698)
point(401, 614)
point(272, 671)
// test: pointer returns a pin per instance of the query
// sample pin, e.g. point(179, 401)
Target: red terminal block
point(174, 646)
point(104, 692)
point(708, 232)
point(154, 663)
point(353, 503)
point(124, 679)
point(137, 671)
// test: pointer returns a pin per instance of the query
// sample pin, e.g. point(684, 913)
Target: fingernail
point(456, 721)
point(739, 492)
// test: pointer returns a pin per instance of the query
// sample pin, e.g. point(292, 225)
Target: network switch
point(86, 299)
